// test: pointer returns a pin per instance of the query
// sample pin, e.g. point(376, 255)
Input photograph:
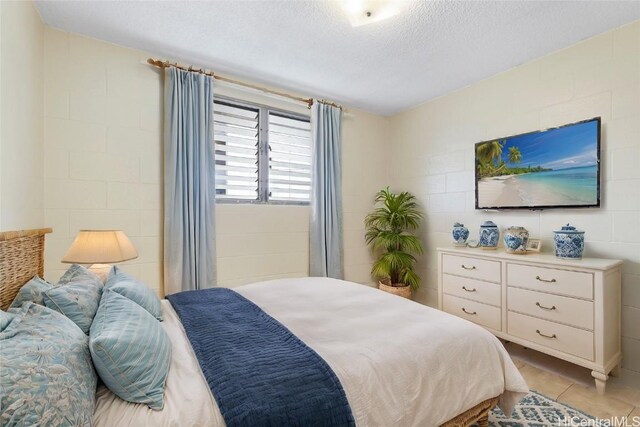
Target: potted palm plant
point(388, 232)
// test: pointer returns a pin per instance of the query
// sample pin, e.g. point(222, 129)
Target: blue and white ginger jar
point(489, 235)
point(460, 234)
point(569, 242)
point(515, 240)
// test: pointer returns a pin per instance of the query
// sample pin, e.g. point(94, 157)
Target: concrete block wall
point(432, 156)
point(103, 169)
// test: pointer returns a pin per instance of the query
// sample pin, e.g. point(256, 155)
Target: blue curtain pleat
point(325, 234)
point(189, 180)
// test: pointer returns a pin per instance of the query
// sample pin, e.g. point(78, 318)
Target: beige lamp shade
point(100, 247)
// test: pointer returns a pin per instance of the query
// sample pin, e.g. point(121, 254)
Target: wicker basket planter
point(402, 291)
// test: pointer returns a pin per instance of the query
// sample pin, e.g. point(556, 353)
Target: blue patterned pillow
point(77, 273)
point(5, 319)
point(31, 291)
point(77, 296)
point(47, 377)
point(128, 286)
point(130, 350)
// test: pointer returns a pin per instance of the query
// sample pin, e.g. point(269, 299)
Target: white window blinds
point(236, 131)
point(289, 158)
point(263, 155)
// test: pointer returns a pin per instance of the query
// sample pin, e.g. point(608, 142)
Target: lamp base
point(101, 270)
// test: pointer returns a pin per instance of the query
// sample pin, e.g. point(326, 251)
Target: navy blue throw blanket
point(258, 371)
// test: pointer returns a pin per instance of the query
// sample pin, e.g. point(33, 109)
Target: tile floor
point(574, 386)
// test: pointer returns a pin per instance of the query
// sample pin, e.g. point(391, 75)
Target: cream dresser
point(569, 309)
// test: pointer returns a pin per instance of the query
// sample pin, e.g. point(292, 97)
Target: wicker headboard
point(21, 258)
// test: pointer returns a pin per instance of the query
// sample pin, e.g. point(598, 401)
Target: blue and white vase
point(569, 242)
point(460, 234)
point(489, 235)
point(515, 240)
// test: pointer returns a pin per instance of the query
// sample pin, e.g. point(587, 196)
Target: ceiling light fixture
point(362, 12)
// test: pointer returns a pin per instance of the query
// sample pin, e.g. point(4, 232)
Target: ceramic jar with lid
point(515, 240)
point(460, 234)
point(569, 242)
point(489, 235)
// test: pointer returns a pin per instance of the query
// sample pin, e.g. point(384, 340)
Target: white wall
point(260, 242)
point(21, 130)
point(433, 155)
point(1, 36)
point(365, 170)
point(102, 119)
point(103, 169)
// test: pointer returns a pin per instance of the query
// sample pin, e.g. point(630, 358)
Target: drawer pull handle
point(473, 267)
point(546, 308)
point(469, 312)
point(546, 336)
point(545, 280)
point(468, 290)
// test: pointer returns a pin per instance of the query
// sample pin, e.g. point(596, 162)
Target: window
point(263, 155)
point(236, 131)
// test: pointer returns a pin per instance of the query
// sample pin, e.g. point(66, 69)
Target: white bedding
point(399, 362)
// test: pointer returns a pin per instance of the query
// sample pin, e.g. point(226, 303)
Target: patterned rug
point(537, 410)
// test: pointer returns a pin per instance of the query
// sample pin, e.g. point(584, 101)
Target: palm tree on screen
point(490, 151)
point(515, 156)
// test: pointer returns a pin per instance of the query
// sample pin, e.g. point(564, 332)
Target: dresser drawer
point(561, 282)
point(474, 268)
point(473, 311)
point(477, 290)
point(575, 312)
point(563, 338)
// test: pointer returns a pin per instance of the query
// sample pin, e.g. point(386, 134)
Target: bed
point(400, 363)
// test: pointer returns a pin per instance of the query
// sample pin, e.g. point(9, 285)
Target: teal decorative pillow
point(5, 319)
point(129, 287)
point(47, 378)
point(130, 350)
point(31, 291)
point(77, 296)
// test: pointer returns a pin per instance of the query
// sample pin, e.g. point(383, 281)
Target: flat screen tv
point(552, 168)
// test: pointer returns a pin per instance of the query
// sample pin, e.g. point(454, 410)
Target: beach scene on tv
point(556, 167)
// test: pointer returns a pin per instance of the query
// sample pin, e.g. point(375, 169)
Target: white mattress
point(399, 362)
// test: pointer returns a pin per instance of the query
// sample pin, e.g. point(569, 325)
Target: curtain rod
point(164, 64)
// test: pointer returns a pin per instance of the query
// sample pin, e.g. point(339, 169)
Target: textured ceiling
point(429, 49)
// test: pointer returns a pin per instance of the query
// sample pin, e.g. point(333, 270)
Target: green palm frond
point(388, 229)
point(398, 259)
point(397, 267)
point(411, 279)
point(489, 151)
point(388, 240)
point(515, 156)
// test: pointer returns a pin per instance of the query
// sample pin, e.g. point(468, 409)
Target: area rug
point(537, 410)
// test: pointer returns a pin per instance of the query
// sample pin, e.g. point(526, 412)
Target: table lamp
point(100, 248)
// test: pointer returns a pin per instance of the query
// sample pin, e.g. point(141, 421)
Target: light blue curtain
point(189, 182)
point(325, 234)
